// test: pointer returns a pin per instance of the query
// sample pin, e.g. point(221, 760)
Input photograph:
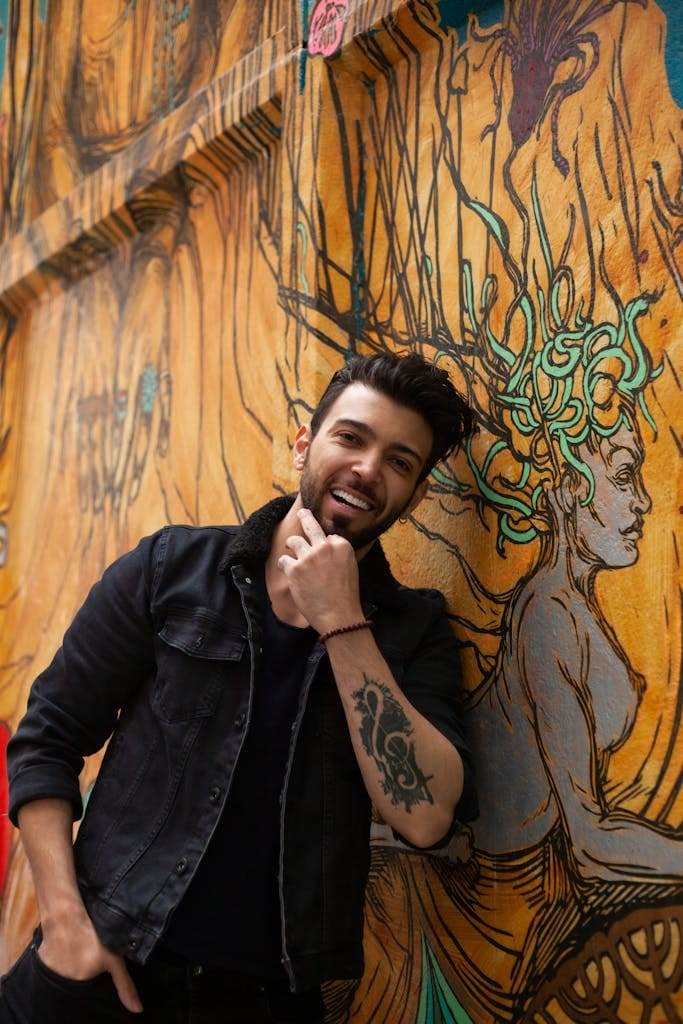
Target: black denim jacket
point(163, 655)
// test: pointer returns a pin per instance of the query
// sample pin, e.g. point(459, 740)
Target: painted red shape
point(327, 26)
point(5, 827)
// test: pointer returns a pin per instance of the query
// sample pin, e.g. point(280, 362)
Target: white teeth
point(356, 502)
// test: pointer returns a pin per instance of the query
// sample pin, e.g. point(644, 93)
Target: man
point(263, 685)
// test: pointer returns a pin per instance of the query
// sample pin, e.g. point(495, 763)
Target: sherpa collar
point(252, 544)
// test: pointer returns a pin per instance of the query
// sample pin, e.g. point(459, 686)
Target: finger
point(338, 541)
point(299, 545)
point(125, 986)
point(285, 563)
point(311, 526)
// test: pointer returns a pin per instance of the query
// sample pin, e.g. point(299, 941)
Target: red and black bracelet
point(364, 624)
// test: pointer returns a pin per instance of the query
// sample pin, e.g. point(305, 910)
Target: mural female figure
point(546, 725)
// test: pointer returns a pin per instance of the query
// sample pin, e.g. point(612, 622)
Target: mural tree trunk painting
point(206, 208)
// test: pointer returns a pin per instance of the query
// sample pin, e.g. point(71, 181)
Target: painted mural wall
point(206, 207)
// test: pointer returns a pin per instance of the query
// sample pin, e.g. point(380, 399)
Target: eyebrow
point(636, 456)
point(363, 428)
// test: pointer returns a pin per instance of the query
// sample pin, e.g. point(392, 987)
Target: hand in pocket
point(73, 952)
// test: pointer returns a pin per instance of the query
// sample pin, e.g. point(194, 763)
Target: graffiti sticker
point(327, 27)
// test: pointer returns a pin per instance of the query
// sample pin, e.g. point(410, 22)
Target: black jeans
point(31, 993)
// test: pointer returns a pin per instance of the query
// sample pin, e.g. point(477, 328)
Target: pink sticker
point(327, 26)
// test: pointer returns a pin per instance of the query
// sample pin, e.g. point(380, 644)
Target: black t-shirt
point(230, 914)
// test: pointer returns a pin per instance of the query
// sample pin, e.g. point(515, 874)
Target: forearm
point(46, 833)
point(621, 848)
point(412, 773)
point(70, 945)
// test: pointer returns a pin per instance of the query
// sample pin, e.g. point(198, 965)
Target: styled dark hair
point(414, 383)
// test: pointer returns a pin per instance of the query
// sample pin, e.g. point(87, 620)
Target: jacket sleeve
point(432, 682)
point(107, 652)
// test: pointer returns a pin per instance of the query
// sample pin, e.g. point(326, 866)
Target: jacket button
point(181, 866)
point(247, 579)
point(132, 944)
point(214, 794)
point(240, 720)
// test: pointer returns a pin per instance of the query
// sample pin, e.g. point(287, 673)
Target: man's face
point(360, 472)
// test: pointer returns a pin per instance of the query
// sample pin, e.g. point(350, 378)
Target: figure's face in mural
point(360, 471)
point(608, 530)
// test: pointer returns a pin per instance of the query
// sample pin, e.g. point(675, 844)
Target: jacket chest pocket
point(195, 654)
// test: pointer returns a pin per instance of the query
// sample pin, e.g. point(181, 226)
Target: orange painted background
point(206, 207)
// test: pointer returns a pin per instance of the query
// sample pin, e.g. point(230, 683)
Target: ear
point(572, 491)
point(302, 442)
point(418, 495)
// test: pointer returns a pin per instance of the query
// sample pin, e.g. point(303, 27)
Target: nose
point(366, 466)
point(642, 502)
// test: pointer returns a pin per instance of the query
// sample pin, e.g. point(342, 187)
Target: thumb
point(125, 987)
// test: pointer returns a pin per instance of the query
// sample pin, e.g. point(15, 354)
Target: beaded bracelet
point(365, 624)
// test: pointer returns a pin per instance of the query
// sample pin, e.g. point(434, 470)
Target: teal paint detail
point(454, 13)
point(4, 24)
point(673, 53)
point(270, 126)
point(303, 54)
point(303, 57)
point(87, 795)
point(438, 1003)
point(42, 10)
point(149, 383)
point(164, 53)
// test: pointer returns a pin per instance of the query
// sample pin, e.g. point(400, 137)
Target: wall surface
point(206, 207)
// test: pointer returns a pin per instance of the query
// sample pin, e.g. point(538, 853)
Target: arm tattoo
point(384, 732)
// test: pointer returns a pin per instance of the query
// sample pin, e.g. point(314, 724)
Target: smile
point(345, 498)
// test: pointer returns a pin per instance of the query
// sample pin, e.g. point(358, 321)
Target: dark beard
point(341, 524)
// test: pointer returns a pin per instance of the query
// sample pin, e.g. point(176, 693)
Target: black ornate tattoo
point(385, 732)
